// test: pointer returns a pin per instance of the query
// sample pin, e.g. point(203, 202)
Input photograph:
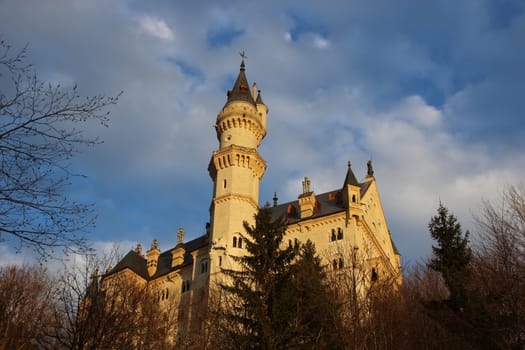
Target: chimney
point(152, 256)
point(307, 201)
point(177, 254)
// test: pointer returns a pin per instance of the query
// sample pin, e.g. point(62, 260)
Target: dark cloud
point(432, 92)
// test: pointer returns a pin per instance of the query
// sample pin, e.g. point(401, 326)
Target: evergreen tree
point(256, 313)
point(316, 314)
point(452, 254)
point(279, 299)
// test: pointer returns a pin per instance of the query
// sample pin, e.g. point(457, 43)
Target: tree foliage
point(279, 298)
point(257, 313)
point(452, 254)
point(39, 135)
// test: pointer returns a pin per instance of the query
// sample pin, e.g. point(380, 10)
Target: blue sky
point(432, 91)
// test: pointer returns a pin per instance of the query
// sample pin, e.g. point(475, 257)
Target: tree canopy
point(452, 253)
point(279, 298)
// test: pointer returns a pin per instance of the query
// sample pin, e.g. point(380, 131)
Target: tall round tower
point(236, 169)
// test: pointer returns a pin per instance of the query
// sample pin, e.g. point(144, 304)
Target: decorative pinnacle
point(275, 199)
point(180, 236)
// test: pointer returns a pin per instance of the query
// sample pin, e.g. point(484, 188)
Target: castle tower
point(236, 169)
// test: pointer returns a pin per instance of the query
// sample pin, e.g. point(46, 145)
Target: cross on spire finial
point(243, 55)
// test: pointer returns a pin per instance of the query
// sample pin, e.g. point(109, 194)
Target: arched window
point(334, 264)
point(333, 237)
point(341, 263)
point(167, 293)
point(235, 242)
point(225, 183)
point(353, 198)
point(339, 233)
point(220, 260)
point(239, 242)
point(289, 243)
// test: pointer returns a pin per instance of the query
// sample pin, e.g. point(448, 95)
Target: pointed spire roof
point(259, 100)
point(350, 178)
point(241, 89)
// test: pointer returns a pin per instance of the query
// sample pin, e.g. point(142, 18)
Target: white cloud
point(363, 100)
point(320, 42)
point(156, 27)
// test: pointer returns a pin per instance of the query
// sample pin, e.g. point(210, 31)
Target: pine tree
point(316, 313)
point(256, 314)
point(452, 255)
point(279, 299)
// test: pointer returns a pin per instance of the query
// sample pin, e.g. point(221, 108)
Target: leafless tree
point(499, 267)
point(360, 282)
point(116, 312)
point(39, 134)
point(25, 305)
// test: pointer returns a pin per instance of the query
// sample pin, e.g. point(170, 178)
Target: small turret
point(351, 188)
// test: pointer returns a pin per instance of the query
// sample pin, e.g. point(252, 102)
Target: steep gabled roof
point(134, 262)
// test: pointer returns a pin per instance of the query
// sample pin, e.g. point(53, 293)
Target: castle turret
point(236, 168)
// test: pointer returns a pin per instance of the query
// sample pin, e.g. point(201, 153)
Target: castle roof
point(327, 203)
point(133, 261)
point(241, 89)
point(164, 263)
point(137, 263)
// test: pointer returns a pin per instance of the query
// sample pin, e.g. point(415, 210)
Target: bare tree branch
point(38, 138)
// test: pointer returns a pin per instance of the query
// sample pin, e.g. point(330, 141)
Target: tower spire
point(241, 88)
point(350, 178)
